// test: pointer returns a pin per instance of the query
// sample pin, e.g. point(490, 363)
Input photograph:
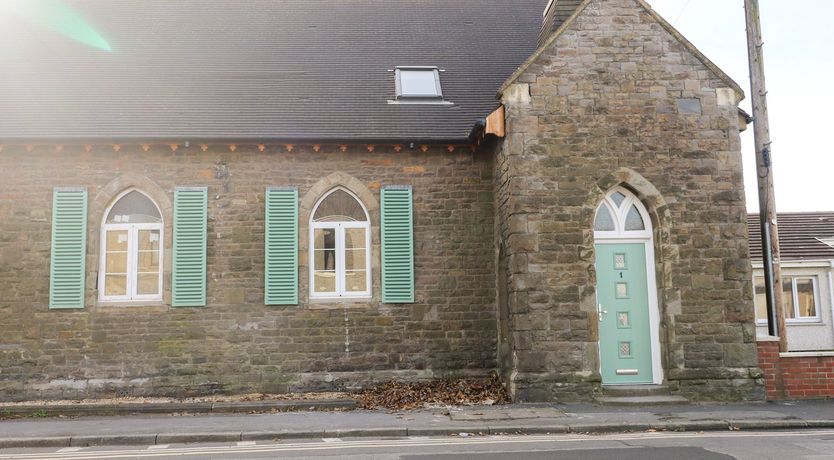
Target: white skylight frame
point(437, 95)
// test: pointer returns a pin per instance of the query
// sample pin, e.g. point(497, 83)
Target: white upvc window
point(340, 247)
point(131, 250)
point(800, 299)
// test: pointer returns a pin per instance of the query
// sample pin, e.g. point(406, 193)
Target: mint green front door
point(625, 347)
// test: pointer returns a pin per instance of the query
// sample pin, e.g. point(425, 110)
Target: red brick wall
point(795, 377)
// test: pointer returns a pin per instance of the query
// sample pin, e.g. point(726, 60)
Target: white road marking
point(159, 446)
point(69, 449)
point(246, 443)
point(432, 442)
point(331, 439)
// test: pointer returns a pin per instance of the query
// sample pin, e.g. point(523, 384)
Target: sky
point(799, 65)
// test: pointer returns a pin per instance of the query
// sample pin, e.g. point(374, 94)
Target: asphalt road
point(805, 444)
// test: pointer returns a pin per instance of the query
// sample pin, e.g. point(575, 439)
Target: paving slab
point(510, 413)
point(113, 440)
point(520, 418)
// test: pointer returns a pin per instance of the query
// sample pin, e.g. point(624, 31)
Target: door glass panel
point(355, 238)
point(356, 280)
point(805, 298)
point(604, 222)
point(149, 240)
point(634, 221)
point(325, 249)
point(324, 281)
point(117, 240)
point(148, 262)
point(623, 320)
point(324, 255)
point(618, 198)
point(148, 254)
point(355, 259)
point(115, 285)
point(622, 290)
point(619, 261)
point(625, 349)
point(148, 284)
point(116, 262)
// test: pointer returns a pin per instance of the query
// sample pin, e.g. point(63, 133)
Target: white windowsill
point(340, 299)
point(131, 303)
point(806, 354)
point(808, 322)
point(420, 102)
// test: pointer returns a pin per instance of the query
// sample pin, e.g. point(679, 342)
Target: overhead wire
point(681, 12)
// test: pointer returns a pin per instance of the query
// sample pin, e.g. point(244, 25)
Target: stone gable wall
point(618, 100)
point(236, 344)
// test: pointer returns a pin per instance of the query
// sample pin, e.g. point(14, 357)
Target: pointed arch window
point(621, 214)
point(340, 249)
point(131, 250)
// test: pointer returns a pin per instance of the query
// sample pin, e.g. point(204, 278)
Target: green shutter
point(281, 247)
point(69, 248)
point(397, 245)
point(189, 260)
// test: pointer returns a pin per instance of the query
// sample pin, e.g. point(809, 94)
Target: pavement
point(529, 419)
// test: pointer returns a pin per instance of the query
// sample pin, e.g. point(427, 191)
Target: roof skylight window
point(418, 83)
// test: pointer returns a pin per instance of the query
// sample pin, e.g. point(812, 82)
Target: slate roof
point(559, 12)
point(265, 69)
point(799, 235)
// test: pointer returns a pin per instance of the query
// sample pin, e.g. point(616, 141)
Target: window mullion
point(340, 260)
point(368, 272)
point(795, 292)
point(160, 259)
point(132, 260)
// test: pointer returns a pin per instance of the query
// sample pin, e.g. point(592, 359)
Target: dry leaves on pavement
point(461, 392)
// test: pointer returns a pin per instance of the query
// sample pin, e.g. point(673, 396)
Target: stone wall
point(235, 343)
point(620, 99)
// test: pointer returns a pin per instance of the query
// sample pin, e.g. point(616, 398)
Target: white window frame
point(620, 214)
point(339, 229)
point(796, 319)
point(132, 255)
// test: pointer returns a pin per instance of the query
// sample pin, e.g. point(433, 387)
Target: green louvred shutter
point(397, 245)
point(281, 247)
point(69, 248)
point(189, 260)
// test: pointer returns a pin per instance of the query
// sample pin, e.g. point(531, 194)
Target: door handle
point(601, 312)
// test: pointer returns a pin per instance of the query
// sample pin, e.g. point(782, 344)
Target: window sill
point(808, 322)
point(420, 101)
point(335, 303)
point(129, 305)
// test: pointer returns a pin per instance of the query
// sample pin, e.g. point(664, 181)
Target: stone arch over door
point(665, 252)
point(306, 208)
point(102, 202)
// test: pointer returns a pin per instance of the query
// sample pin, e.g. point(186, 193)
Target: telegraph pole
point(764, 173)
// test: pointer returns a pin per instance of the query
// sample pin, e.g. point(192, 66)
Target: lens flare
point(58, 17)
